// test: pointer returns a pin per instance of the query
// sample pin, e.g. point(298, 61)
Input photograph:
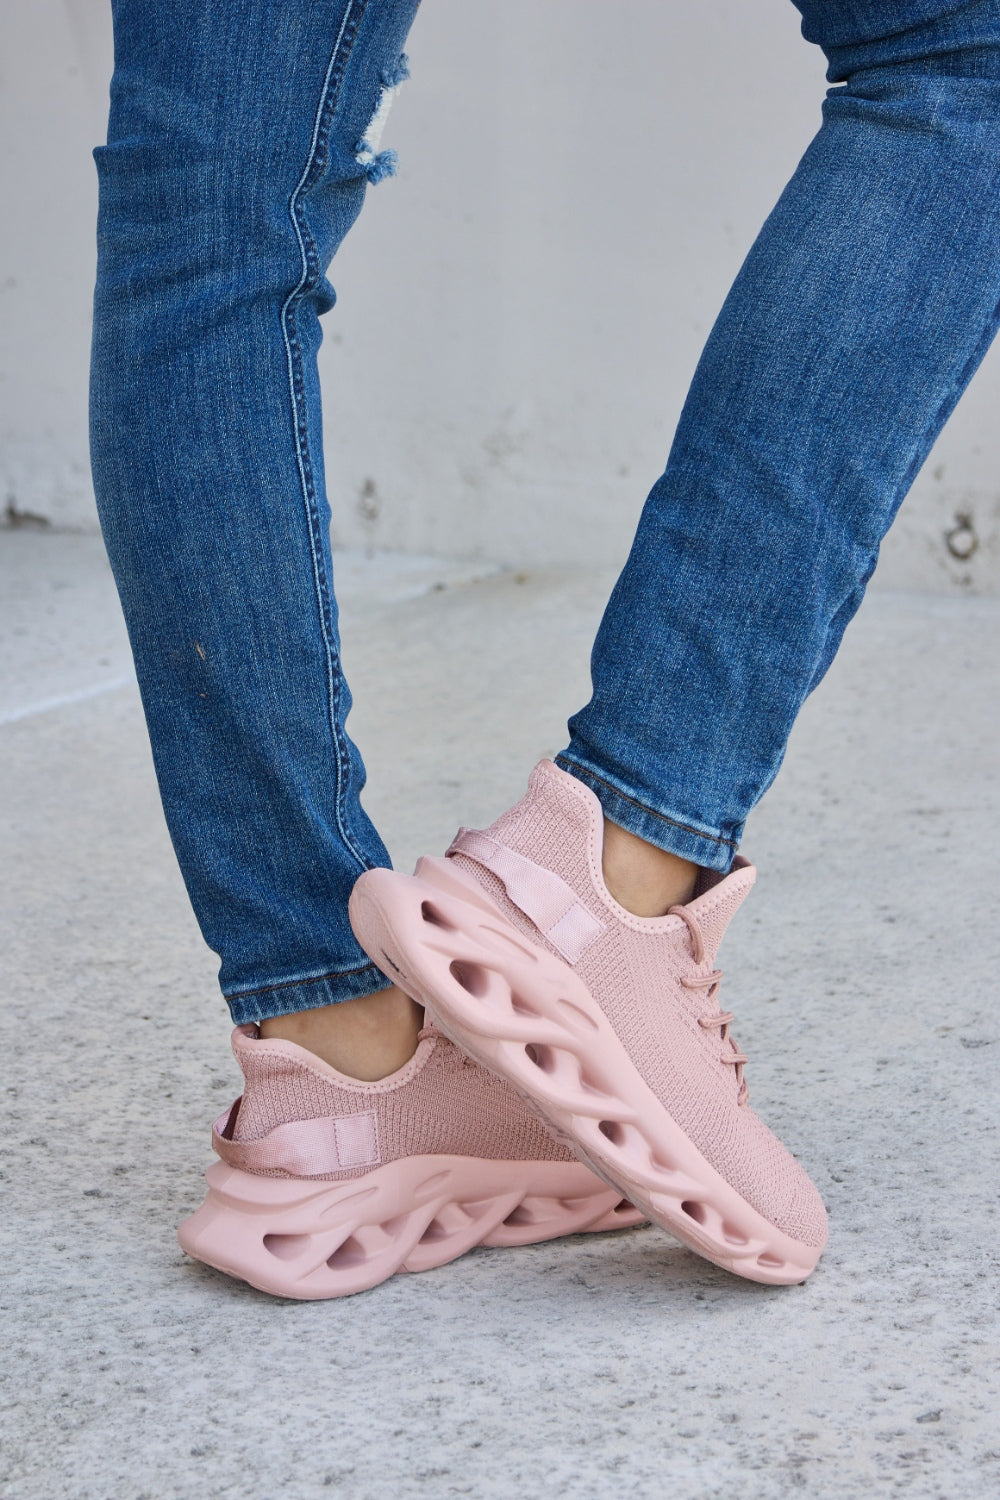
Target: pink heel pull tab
point(302, 1148)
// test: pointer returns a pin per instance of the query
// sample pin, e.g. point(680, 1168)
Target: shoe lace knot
point(719, 1020)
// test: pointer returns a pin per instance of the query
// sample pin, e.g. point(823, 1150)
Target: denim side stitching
point(313, 168)
point(709, 838)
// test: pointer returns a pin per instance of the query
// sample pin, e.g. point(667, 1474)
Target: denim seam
point(313, 169)
point(292, 984)
point(710, 838)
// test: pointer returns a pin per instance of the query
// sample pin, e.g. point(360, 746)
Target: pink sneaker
point(328, 1185)
point(606, 1022)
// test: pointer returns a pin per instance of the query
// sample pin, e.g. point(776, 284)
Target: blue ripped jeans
point(240, 145)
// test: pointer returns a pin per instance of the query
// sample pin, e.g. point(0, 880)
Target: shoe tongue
point(715, 908)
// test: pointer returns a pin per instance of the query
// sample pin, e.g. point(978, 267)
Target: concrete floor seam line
point(63, 700)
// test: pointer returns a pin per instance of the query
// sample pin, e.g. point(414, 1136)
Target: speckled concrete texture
point(864, 977)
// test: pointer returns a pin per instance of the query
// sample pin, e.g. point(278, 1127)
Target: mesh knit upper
point(440, 1103)
point(632, 970)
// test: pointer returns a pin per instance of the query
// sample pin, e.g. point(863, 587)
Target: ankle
point(646, 880)
point(367, 1038)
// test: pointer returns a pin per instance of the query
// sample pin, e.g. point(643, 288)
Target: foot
point(367, 1038)
point(609, 1023)
point(329, 1184)
point(645, 880)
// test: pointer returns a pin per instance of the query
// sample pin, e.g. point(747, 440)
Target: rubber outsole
point(304, 1239)
point(523, 1013)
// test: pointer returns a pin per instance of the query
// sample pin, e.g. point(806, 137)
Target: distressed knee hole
point(378, 164)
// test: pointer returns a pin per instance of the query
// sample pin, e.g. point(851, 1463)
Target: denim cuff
point(305, 994)
point(711, 851)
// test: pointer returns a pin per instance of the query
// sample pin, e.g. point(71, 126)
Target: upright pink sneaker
point(328, 1185)
point(606, 1022)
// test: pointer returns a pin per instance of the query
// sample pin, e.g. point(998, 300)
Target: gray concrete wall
point(520, 311)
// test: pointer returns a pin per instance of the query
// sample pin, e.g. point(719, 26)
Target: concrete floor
point(864, 977)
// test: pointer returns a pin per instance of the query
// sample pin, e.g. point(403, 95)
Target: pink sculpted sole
point(298, 1238)
point(522, 1012)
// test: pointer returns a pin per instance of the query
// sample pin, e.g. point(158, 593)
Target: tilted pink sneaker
point(608, 1023)
point(328, 1185)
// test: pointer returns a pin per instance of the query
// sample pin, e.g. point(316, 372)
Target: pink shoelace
point(710, 984)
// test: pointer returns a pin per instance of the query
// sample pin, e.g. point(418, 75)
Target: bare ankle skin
point(367, 1038)
point(373, 1036)
point(646, 880)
